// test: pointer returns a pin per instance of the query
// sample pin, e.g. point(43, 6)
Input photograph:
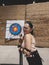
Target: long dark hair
point(31, 26)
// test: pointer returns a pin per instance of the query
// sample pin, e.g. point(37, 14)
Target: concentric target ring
point(15, 29)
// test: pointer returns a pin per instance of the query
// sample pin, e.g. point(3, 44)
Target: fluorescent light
point(3, 4)
point(33, 2)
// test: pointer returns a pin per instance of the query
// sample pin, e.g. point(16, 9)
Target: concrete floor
point(10, 55)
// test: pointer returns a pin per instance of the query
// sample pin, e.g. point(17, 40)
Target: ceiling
point(19, 2)
point(15, 2)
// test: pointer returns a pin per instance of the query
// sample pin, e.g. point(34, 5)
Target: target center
point(15, 29)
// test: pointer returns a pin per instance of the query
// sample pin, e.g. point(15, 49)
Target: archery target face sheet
point(14, 28)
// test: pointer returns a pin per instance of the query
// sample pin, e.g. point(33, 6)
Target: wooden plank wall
point(15, 12)
point(39, 15)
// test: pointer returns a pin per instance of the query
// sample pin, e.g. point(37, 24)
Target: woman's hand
point(26, 53)
point(20, 41)
point(20, 49)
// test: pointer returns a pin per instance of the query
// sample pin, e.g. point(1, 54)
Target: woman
point(29, 48)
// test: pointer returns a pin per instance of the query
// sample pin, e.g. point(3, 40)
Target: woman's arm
point(21, 44)
point(28, 42)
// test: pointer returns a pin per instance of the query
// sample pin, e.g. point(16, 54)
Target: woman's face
point(26, 28)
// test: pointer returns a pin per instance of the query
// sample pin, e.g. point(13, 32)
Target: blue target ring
point(15, 29)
